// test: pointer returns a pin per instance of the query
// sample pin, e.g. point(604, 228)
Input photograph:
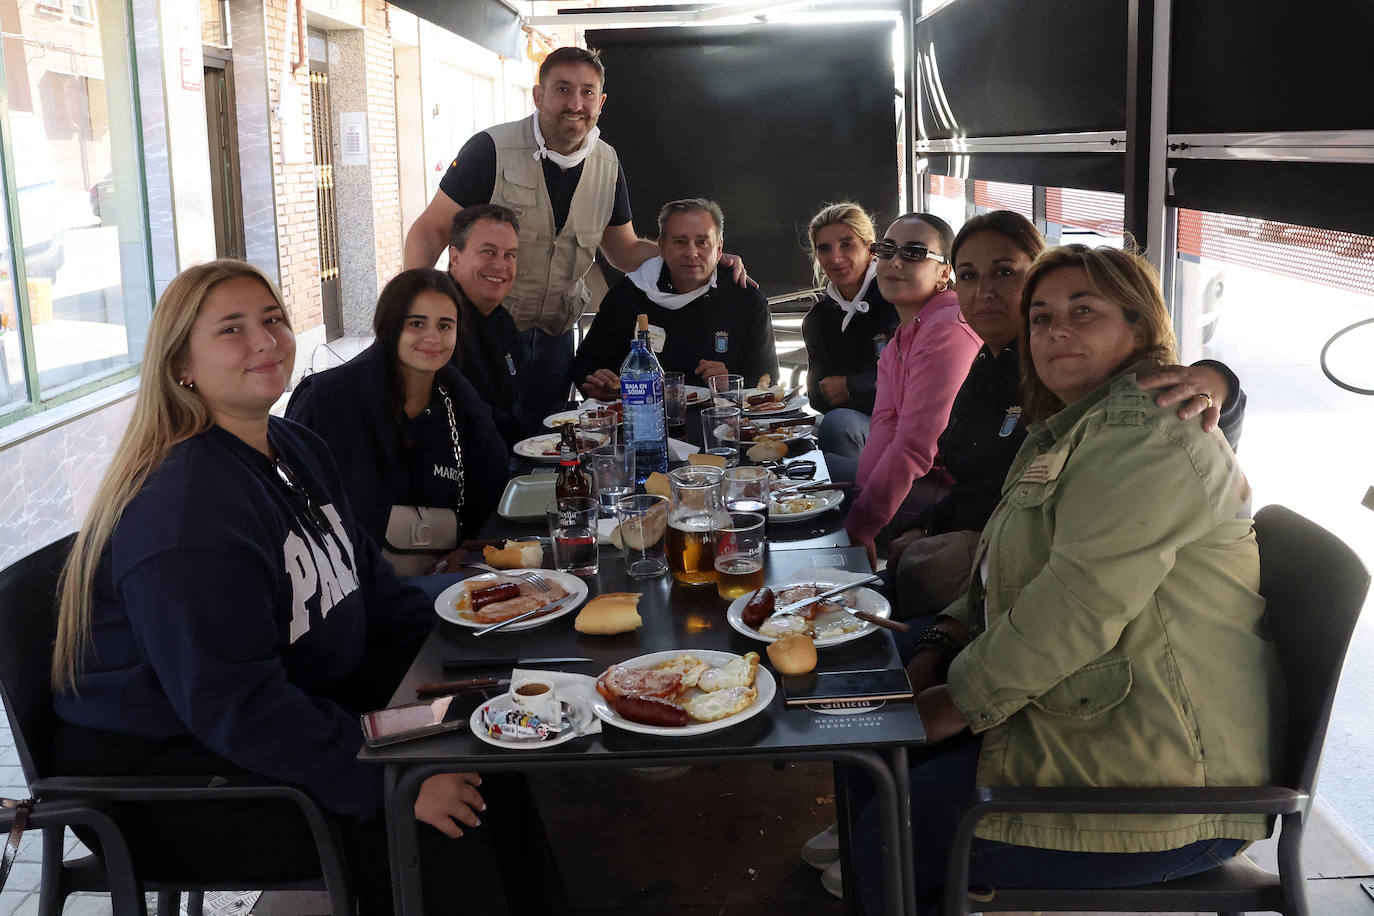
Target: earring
point(189, 386)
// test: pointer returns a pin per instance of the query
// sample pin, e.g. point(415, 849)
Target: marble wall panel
point(51, 479)
point(352, 185)
point(251, 103)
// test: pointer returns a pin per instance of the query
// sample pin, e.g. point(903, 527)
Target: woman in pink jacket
point(919, 372)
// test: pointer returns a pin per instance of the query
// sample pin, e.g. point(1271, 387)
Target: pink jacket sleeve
point(901, 443)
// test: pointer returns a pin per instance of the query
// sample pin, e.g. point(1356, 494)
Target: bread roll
point(608, 614)
point(764, 381)
point(767, 451)
point(658, 485)
point(642, 531)
point(515, 555)
point(793, 654)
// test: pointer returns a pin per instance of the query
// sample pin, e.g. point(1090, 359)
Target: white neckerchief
point(858, 306)
point(564, 161)
point(645, 278)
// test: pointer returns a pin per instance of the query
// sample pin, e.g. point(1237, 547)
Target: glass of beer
point(696, 507)
point(740, 544)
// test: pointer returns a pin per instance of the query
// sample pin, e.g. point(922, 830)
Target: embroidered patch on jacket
point(722, 341)
point(879, 344)
point(1009, 422)
point(1044, 468)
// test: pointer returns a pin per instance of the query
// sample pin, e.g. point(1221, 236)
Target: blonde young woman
point(1113, 632)
point(223, 612)
point(847, 329)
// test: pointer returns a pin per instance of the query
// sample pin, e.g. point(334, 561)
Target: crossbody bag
point(416, 536)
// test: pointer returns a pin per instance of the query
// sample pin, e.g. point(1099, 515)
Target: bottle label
point(641, 392)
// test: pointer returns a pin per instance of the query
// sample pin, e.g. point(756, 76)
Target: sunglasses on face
point(886, 249)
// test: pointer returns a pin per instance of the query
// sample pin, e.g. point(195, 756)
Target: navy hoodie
point(222, 613)
point(350, 407)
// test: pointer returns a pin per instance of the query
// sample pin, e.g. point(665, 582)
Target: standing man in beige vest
point(568, 190)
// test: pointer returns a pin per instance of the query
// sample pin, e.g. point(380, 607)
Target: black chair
point(1314, 586)
point(28, 620)
point(58, 815)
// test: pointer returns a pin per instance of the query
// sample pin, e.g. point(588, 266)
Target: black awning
point(489, 23)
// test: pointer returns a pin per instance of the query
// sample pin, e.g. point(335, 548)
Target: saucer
point(575, 721)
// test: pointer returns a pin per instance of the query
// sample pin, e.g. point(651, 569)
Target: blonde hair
point(164, 414)
point(845, 213)
point(1124, 279)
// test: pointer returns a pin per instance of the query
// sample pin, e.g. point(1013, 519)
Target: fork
point(535, 580)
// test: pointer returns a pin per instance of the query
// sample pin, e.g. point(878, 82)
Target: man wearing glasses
point(700, 323)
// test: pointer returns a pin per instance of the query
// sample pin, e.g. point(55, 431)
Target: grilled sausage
point(649, 711)
point(758, 607)
point(493, 593)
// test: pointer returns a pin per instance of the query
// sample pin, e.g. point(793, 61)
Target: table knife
point(439, 688)
point(828, 593)
point(456, 665)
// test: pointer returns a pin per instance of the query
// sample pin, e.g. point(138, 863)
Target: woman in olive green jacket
point(1113, 633)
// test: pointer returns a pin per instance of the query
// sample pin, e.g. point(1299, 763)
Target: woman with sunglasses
point(1113, 633)
point(414, 442)
point(847, 329)
point(918, 375)
point(222, 612)
point(990, 257)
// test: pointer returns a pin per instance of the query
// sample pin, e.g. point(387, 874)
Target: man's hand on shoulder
point(736, 265)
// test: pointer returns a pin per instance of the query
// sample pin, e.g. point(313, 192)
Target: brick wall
point(381, 136)
point(297, 233)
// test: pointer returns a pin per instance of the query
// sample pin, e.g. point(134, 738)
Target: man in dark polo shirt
point(700, 323)
point(481, 260)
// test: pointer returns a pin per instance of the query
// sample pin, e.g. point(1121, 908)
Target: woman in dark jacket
point(405, 428)
point(847, 329)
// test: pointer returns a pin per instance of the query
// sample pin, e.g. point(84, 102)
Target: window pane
point(1264, 298)
point(1089, 217)
point(947, 199)
point(12, 391)
point(77, 184)
point(999, 195)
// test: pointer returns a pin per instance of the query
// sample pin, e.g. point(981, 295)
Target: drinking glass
point(613, 475)
point(740, 545)
point(572, 526)
point(720, 433)
point(643, 523)
point(726, 390)
point(695, 509)
point(675, 398)
point(598, 425)
point(746, 489)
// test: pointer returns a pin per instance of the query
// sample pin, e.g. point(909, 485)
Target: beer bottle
point(572, 479)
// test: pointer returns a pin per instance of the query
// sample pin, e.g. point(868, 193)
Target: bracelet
point(938, 640)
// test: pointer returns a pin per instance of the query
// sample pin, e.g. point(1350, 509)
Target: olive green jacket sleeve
point(1126, 499)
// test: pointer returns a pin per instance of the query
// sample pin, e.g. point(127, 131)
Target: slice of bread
point(608, 614)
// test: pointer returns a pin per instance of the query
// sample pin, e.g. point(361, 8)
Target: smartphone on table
point(414, 720)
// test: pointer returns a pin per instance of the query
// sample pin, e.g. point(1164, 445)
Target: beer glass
point(740, 545)
point(643, 525)
point(747, 489)
point(726, 390)
point(720, 433)
point(696, 507)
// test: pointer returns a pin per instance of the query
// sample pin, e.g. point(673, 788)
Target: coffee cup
point(538, 698)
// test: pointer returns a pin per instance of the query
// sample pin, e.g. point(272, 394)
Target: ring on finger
point(1204, 395)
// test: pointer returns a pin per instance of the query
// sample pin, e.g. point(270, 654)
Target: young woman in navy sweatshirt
point(223, 612)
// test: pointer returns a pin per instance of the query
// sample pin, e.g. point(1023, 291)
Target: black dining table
point(675, 616)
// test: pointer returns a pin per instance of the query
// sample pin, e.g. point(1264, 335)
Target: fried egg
point(689, 666)
point(737, 673)
point(721, 704)
point(784, 624)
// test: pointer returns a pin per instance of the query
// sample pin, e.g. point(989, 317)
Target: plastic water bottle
point(641, 391)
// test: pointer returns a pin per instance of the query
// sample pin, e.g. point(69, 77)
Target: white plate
point(861, 599)
point(553, 419)
point(793, 404)
point(763, 683)
point(444, 605)
point(827, 500)
point(810, 430)
point(533, 447)
point(697, 396)
point(574, 712)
